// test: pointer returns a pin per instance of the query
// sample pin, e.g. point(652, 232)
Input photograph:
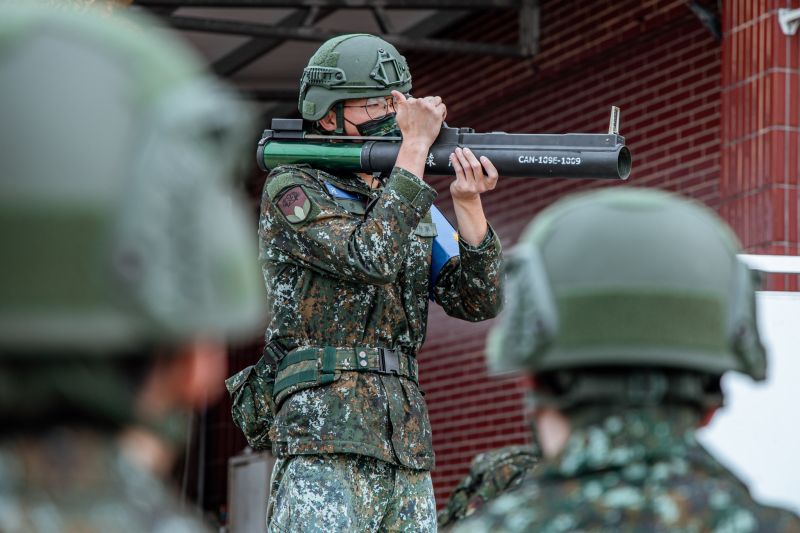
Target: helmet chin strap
point(343, 119)
point(340, 119)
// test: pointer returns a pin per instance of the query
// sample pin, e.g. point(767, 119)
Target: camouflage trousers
point(345, 492)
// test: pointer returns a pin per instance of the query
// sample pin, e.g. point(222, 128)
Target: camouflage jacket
point(69, 481)
point(632, 471)
point(490, 474)
point(355, 272)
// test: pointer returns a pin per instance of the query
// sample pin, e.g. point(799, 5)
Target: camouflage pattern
point(135, 248)
point(631, 470)
point(105, 492)
point(491, 474)
point(321, 493)
point(251, 402)
point(355, 273)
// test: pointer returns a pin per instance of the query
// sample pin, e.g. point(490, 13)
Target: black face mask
point(379, 127)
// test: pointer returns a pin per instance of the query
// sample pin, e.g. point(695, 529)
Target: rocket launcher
point(524, 155)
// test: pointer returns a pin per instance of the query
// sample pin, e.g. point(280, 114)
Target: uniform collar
point(604, 440)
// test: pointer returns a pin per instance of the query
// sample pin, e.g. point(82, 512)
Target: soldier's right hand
point(419, 119)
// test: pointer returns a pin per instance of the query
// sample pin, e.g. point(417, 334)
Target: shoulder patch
point(277, 183)
point(294, 204)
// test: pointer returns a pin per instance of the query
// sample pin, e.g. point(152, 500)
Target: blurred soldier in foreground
point(126, 263)
point(628, 306)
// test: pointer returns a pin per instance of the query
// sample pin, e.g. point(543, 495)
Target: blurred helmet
point(628, 278)
point(351, 66)
point(119, 225)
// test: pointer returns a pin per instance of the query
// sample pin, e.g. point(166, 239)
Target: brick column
point(760, 129)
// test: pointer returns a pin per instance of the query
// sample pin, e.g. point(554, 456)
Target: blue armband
point(341, 194)
point(445, 245)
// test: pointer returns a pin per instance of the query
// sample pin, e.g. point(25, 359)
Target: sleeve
point(301, 224)
point(470, 286)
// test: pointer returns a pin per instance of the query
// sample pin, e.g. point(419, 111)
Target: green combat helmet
point(350, 66)
point(628, 278)
point(118, 220)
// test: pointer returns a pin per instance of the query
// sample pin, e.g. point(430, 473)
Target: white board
point(757, 433)
point(248, 491)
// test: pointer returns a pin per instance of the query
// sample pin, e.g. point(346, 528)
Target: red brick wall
point(726, 135)
point(761, 131)
point(658, 63)
point(223, 440)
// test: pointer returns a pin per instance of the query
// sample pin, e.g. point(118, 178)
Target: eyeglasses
point(377, 107)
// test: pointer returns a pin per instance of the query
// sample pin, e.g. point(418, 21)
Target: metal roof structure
point(261, 46)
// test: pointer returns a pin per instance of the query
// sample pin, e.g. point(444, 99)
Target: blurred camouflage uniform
point(77, 480)
point(490, 474)
point(121, 237)
point(347, 271)
point(639, 470)
point(629, 305)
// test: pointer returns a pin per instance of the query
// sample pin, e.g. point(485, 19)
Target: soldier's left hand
point(473, 177)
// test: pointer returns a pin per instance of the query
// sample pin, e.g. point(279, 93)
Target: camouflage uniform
point(627, 306)
point(73, 480)
point(384, 497)
point(354, 275)
point(134, 250)
point(490, 474)
point(636, 470)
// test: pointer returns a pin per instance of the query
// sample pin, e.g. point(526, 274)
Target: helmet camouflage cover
point(351, 66)
point(628, 277)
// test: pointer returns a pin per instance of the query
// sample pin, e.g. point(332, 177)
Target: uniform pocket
point(252, 407)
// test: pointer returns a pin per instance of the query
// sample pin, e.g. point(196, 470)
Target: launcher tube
point(572, 155)
point(343, 156)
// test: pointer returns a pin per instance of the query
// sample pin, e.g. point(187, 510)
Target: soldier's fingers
point(491, 172)
point(429, 103)
point(457, 167)
point(475, 165)
point(400, 98)
point(468, 175)
point(461, 179)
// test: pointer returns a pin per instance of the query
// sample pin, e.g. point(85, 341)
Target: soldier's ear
point(189, 378)
point(328, 122)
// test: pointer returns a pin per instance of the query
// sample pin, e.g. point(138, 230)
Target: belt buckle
point(389, 361)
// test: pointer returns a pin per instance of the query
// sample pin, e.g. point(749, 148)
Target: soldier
point(126, 261)
point(628, 306)
point(490, 474)
point(347, 266)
